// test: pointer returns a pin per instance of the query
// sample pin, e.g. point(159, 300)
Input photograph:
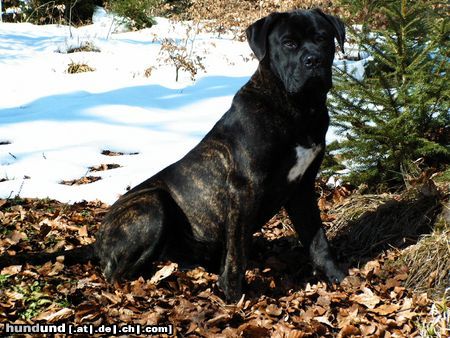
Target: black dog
point(264, 153)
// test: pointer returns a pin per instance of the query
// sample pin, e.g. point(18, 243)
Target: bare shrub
point(235, 15)
point(181, 53)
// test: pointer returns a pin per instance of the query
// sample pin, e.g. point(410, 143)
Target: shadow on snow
point(77, 106)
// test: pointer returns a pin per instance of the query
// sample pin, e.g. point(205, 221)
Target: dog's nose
point(312, 61)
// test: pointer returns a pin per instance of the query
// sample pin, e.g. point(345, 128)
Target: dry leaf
point(372, 266)
point(421, 299)
point(53, 317)
point(324, 301)
point(273, 310)
point(15, 237)
point(324, 320)
point(401, 277)
point(386, 309)
point(50, 269)
point(368, 298)
point(11, 270)
point(83, 231)
point(113, 298)
point(390, 283)
point(87, 311)
point(254, 331)
point(138, 287)
point(13, 295)
point(368, 329)
point(348, 330)
point(163, 273)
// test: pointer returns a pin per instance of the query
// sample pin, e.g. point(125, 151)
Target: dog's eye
point(291, 44)
point(320, 37)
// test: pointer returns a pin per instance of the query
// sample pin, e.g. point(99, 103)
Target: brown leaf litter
point(283, 296)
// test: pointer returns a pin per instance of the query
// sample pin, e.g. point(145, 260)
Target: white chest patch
point(305, 156)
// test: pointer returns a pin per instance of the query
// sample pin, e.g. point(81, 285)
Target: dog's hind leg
point(133, 233)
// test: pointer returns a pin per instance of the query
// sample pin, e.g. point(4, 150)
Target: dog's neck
point(263, 80)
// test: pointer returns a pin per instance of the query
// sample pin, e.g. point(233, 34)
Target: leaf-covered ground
point(283, 296)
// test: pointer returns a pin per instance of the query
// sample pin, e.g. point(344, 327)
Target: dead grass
point(85, 47)
point(75, 67)
point(82, 180)
point(368, 224)
point(429, 261)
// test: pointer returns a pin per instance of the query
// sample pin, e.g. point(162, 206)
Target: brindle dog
point(264, 153)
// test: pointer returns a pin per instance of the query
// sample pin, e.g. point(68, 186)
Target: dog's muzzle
point(312, 61)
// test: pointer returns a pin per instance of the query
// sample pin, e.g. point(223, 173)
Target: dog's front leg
point(237, 243)
point(234, 257)
point(305, 215)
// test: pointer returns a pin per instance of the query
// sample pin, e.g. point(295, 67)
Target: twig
point(110, 28)
point(70, 17)
point(39, 7)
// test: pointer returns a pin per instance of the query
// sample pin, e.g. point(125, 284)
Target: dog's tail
point(78, 255)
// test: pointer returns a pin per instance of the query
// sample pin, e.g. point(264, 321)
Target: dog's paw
point(232, 288)
point(335, 276)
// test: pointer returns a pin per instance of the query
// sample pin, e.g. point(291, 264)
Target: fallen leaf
point(347, 316)
point(324, 301)
point(113, 298)
point(11, 270)
point(385, 309)
point(324, 320)
point(163, 273)
point(138, 287)
point(371, 267)
point(404, 316)
point(295, 334)
point(348, 330)
point(87, 311)
point(421, 299)
point(13, 295)
point(367, 298)
point(368, 329)
point(191, 328)
point(53, 317)
point(254, 331)
point(390, 283)
point(222, 318)
point(401, 277)
point(273, 310)
point(82, 231)
point(15, 237)
point(51, 269)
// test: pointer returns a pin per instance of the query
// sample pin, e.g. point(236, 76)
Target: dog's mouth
point(316, 79)
point(316, 73)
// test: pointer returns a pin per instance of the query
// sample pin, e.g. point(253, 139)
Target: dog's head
point(298, 46)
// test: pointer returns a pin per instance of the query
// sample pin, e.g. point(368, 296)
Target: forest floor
point(283, 296)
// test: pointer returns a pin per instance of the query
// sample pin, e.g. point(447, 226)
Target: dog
point(264, 153)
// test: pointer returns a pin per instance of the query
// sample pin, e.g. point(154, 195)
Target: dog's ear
point(338, 25)
point(258, 32)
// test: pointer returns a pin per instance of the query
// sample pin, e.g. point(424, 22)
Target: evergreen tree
point(399, 112)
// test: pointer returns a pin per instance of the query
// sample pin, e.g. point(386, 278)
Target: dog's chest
point(303, 159)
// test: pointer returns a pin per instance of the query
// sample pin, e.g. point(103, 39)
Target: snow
point(57, 124)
